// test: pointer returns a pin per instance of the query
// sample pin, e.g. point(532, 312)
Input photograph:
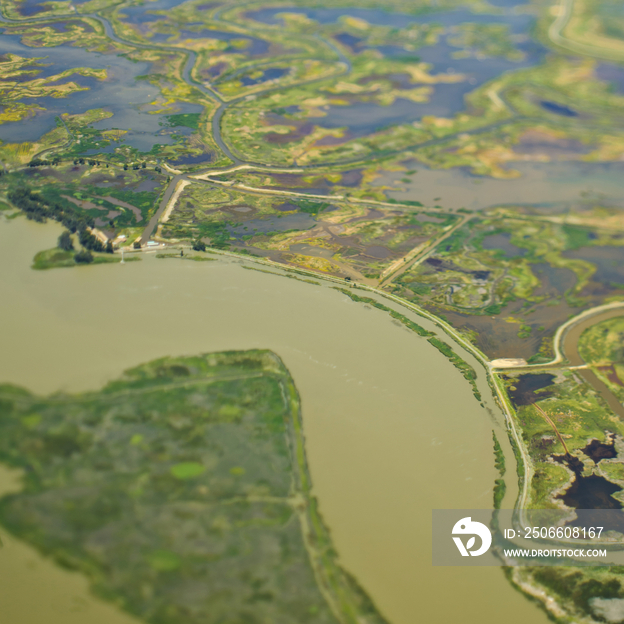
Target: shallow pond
point(609, 262)
point(144, 12)
point(613, 74)
point(31, 8)
point(593, 492)
point(127, 98)
point(527, 388)
point(498, 339)
point(254, 47)
point(550, 187)
point(558, 109)
point(311, 250)
point(392, 429)
point(362, 118)
point(380, 17)
point(270, 74)
point(298, 221)
point(502, 242)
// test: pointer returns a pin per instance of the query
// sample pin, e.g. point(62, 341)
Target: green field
point(182, 491)
point(602, 347)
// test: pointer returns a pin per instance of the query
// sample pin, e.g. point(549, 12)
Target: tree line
point(39, 162)
point(38, 208)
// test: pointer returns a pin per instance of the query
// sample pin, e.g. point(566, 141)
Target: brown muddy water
point(392, 428)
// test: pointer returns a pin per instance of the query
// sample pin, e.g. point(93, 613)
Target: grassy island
point(182, 491)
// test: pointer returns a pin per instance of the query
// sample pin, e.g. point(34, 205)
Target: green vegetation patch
point(310, 206)
point(576, 409)
point(467, 371)
point(603, 343)
point(602, 347)
point(421, 331)
point(188, 120)
point(57, 258)
point(499, 456)
point(187, 470)
point(581, 590)
point(181, 490)
point(576, 237)
point(500, 487)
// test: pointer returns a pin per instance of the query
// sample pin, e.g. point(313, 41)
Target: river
point(392, 429)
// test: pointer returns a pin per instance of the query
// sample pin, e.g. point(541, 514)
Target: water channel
point(570, 349)
point(392, 429)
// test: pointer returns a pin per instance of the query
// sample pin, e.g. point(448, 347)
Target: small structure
point(508, 363)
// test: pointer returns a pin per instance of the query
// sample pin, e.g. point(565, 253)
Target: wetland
point(120, 93)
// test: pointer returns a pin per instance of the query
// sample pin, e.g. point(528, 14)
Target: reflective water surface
point(392, 429)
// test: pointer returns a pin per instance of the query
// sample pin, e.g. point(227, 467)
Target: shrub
point(83, 257)
point(65, 241)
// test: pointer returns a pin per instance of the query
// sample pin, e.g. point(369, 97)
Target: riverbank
point(380, 405)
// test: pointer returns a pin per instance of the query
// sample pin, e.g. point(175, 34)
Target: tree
point(38, 208)
point(65, 241)
point(199, 245)
point(109, 247)
point(83, 257)
point(88, 241)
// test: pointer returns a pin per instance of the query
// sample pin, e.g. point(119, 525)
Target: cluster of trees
point(199, 245)
point(217, 232)
point(83, 257)
point(39, 209)
point(135, 166)
point(38, 162)
point(93, 163)
point(65, 241)
point(89, 243)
